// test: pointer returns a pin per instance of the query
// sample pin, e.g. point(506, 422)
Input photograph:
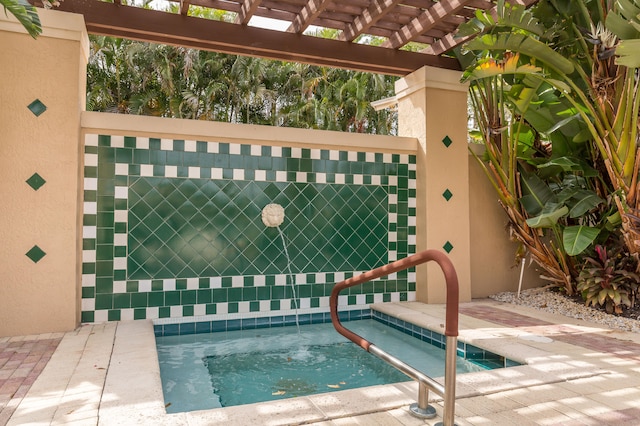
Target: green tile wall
point(172, 228)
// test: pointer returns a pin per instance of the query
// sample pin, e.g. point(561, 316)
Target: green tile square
point(254, 307)
point(172, 298)
point(233, 307)
point(187, 311)
point(234, 294)
point(35, 254)
point(315, 302)
point(37, 107)
point(386, 297)
point(275, 305)
point(264, 293)
point(87, 316)
point(249, 293)
point(210, 309)
point(164, 312)
point(139, 300)
point(204, 296)
point(140, 314)
point(189, 297)
point(104, 301)
point(220, 295)
point(156, 299)
point(122, 300)
point(88, 292)
point(36, 181)
point(114, 315)
point(181, 284)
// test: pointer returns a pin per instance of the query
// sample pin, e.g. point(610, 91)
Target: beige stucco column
point(432, 106)
point(42, 92)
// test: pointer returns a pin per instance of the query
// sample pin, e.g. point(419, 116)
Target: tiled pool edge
point(471, 353)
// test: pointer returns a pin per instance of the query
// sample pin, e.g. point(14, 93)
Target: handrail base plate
point(428, 413)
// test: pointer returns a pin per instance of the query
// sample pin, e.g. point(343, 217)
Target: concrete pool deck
point(577, 373)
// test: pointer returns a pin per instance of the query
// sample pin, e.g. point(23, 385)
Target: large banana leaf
point(628, 52)
point(549, 216)
point(536, 194)
point(26, 14)
point(576, 239)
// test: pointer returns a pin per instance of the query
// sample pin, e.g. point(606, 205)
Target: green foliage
point(607, 279)
point(25, 13)
point(132, 77)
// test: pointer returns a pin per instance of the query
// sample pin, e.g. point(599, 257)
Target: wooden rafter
point(184, 6)
point(198, 33)
point(308, 14)
point(377, 10)
point(424, 22)
point(247, 9)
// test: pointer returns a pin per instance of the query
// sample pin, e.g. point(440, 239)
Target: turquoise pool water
point(204, 371)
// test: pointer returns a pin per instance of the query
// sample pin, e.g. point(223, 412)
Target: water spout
point(272, 217)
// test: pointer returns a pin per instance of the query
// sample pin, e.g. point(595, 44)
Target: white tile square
point(222, 308)
point(194, 172)
point(281, 176)
point(411, 239)
point(216, 173)
point(393, 217)
point(91, 140)
point(88, 304)
point(213, 147)
point(144, 286)
point(120, 263)
point(338, 276)
point(393, 255)
point(321, 278)
point(301, 176)
point(393, 198)
point(343, 300)
point(91, 160)
point(301, 278)
point(146, 170)
point(305, 303)
point(324, 302)
point(404, 158)
point(199, 310)
point(395, 297)
point(411, 221)
point(89, 232)
point(193, 283)
point(88, 280)
point(117, 141)
point(234, 148)
point(393, 180)
point(238, 174)
point(412, 184)
point(411, 277)
point(119, 286)
point(237, 281)
point(91, 184)
point(175, 311)
point(377, 298)
point(169, 284)
point(101, 315)
point(243, 307)
point(265, 305)
point(119, 239)
point(296, 152)
point(276, 151)
point(361, 299)
point(321, 178)
point(142, 143)
point(153, 313)
point(369, 157)
point(281, 279)
point(126, 314)
point(256, 150)
point(171, 171)
point(122, 169)
point(358, 179)
point(352, 156)
point(166, 144)
point(121, 192)
point(88, 256)
point(259, 281)
point(215, 282)
point(411, 202)
point(260, 175)
point(413, 166)
point(190, 146)
point(393, 236)
point(315, 154)
point(386, 157)
point(340, 178)
point(90, 207)
point(120, 216)
point(334, 155)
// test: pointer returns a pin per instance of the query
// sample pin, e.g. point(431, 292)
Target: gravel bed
point(558, 304)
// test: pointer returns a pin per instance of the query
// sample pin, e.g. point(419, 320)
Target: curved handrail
point(451, 279)
point(451, 330)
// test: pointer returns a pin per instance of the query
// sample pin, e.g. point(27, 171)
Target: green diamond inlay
point(447, 141)
point(447, 195)
point(35, 254)
point(37, 107)
point(448, 247)
point(36, 181)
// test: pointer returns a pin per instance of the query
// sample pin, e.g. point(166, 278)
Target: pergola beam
point(309, 12)
point(247, 9)
point(175, 29)
point(424, 22)
point(371, 15)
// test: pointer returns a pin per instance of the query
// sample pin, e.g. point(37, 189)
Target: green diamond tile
point(37, 107)
point(36, 181)
point(35, 254)
point(447, 195)
point(448, 247)
point(447, 141)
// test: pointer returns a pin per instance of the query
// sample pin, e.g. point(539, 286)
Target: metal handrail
point(447, 392)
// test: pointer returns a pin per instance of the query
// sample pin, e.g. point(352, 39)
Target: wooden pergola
point(400, 22)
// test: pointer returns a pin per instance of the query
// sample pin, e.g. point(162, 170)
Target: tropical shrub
point(608, 280)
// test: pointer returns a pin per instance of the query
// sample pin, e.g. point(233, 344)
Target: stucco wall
point(38, 291)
